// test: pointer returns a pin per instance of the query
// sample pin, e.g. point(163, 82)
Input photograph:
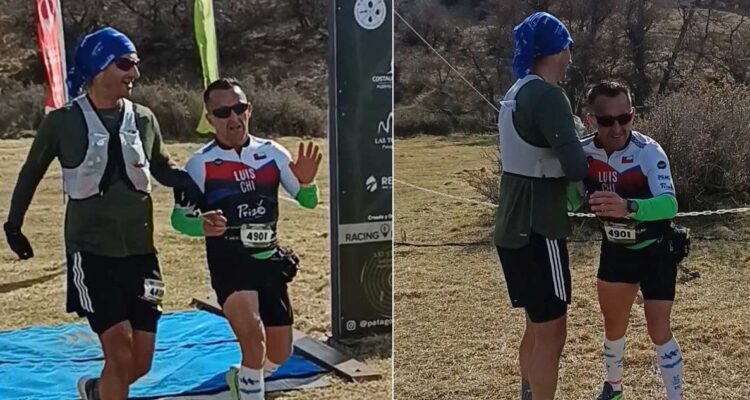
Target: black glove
point(18, 242)
point(188, 197)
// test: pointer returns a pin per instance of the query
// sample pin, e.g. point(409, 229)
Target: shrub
point(416, 120)
point(21, 108)
point(704, 130)
point(177, 108)
point(285, 112)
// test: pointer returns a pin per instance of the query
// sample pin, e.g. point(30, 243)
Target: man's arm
point(162, 168)
point(44, 149)
point(575, 194)
point(555, 119)
point(189, 202)
point(186, 216)
point(656, 208)
point(663, 205)
point(306, 194)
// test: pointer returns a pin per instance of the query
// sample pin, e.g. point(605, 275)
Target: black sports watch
point(632, 207)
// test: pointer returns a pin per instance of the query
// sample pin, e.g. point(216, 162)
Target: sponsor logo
point(371, 184)
point(383, 81)
point(627, 159)
point(370, 14)
point(663, 177)
point(48, 14)
point(244, 210)
point(365, 232)
point(384, 183)
point(385, 138)
point(259, 156)
point(661, 164)
point(218, 161)
point(247, 381)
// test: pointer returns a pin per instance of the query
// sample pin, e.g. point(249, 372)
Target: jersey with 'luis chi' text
point(638, 171)
point(243, 185)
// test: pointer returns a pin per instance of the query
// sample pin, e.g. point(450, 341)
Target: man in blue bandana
point(109, 149)
point(540, 154)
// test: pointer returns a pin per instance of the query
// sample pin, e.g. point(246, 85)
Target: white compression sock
point(269, 368)
point(614, 352)
point(251, 384)
point(670, 365)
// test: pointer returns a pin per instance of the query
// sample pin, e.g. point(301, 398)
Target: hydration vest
point(83, 181)
point(518, 156)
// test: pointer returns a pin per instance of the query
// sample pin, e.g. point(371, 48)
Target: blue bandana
point(540, 34)
point(94, 53)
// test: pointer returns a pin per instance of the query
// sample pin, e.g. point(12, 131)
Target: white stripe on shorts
point(83, 292)
point(558, 279)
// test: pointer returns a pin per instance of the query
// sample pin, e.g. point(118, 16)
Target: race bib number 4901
point(256, 235)
point(619, 233)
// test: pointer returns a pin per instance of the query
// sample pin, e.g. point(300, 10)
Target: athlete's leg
point(143, 354)
point(144, 317)
point(549, 340)
point(615, 300)
point(278, 347)
point(524, 357)
point(242, 310)
point(117, 344)
point(658, 314)
point(668, 352)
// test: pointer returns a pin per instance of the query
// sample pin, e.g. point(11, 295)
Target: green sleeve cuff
point(186, 223)
point(656, 208)
point(307, 196)
point(574, 195)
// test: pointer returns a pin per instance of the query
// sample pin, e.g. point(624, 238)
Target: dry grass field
point(456, 336)
point(32, 292)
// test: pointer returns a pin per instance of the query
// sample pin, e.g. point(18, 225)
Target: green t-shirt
point(543, 118)
point(119, 222)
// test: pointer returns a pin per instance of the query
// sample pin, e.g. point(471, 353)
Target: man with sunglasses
point(540, 154)
point(633, 195)
point(237, 178)
point(109, 148)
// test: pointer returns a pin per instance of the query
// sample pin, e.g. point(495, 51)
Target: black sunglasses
point(125, 64)
point(225, 112)
point(622, 119)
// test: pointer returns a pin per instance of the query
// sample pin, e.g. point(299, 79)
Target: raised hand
point(308, 160)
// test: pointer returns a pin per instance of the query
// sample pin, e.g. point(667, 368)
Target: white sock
point(251, 384)
point(269, 368)
point(614, 352)
point(670, 365)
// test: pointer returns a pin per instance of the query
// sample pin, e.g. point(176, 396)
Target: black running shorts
point(109, 290)
point(651, 267)
point(538, 277)
point(237, 271)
